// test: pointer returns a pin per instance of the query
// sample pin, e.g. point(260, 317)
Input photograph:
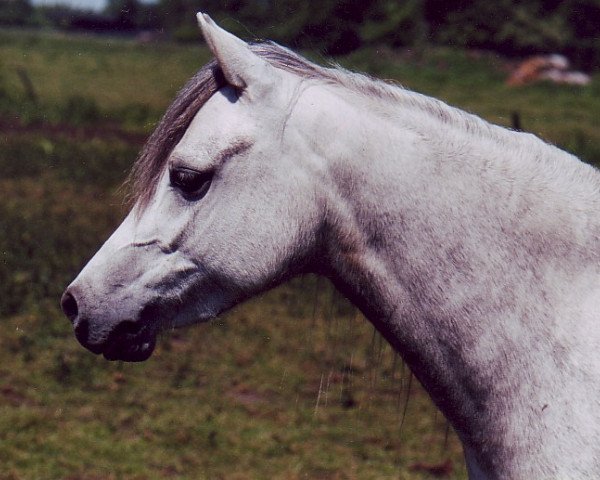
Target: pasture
point(292, 385)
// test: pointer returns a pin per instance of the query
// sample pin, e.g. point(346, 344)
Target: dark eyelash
point(191, 183)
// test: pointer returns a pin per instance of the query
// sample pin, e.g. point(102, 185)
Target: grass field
point(292, 385)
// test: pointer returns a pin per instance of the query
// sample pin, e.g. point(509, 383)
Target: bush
point(395, 23)
point(15, 12)
point(341, 26)
point(99, 162)
point(78, 109)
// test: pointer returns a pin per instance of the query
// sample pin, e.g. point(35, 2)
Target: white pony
point(472, 249)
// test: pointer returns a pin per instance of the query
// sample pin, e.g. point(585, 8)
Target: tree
point(125, 13)
point(394, 23)
point(15, 12)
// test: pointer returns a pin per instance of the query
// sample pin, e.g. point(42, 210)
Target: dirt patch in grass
point(82, 133)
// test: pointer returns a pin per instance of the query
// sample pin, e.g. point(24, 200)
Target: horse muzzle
point(127, 340)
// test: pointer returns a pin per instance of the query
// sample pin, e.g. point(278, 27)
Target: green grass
point(235, 399)
point(293, 385)
point(112, 71)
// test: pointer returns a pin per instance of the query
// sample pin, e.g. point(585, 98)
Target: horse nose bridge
point(115, 268)
point(112, 280)
point(160, 245)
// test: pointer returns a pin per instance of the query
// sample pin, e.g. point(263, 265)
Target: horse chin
point(129, 347)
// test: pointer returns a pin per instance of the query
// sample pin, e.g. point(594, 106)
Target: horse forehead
point(214, 126)
point(227, 119)
point(221, 113)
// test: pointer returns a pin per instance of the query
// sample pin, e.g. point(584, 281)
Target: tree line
point(511, 27)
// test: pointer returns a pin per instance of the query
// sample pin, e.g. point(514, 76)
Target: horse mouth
point(126, 342)
point(130, 343)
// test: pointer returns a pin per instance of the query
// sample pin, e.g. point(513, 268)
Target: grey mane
point(197, 91)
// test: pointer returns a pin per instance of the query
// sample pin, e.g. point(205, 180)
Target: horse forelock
point(146, 170)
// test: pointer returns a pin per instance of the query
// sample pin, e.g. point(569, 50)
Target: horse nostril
point(81, 324)
point(69, 306)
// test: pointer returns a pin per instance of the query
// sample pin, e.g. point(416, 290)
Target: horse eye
point(190, 182)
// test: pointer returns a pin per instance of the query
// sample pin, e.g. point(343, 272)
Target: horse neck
point(475, 257)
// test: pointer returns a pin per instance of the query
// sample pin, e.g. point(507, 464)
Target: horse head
point(231, 210)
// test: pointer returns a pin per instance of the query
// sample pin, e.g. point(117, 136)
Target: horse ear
point(241, 67)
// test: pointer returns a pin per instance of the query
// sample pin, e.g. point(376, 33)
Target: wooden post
point(27, 84)
point(515, 118)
